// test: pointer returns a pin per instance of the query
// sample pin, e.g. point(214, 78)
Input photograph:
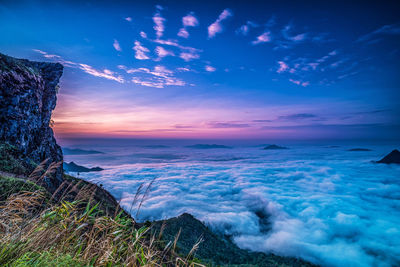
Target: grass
point(72, 227)
point(11, 185)
point(9, 161)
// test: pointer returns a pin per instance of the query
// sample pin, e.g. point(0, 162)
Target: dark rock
point(274, 147)
point(28, 94)
point(216, 249)
point(206, 146)
point(73, 167)
point(77, 151)
point(392, 157)
point(359, 149)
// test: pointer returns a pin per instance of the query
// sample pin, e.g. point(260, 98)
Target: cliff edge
point(28, 95)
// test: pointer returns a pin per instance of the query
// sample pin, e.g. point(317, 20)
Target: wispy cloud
point(216, 27)
point(183, 33)
point(245, 28)
point(117, 46)
point(180, 126)
point(286, 32)
point(128, 19)
point(56, 58)
point(297, 116)
point(227, 125)
point(143, 35)
point(262, 121)
point(187, 53)
point(158, 23)
point(298, 37)
point(159, 77)
point(263, 38)
point(106, 73)
point(210, 68)
point(140, 51)
point(282, 67)
point(188, 21)
point(162, 52)
point(183, 69)
point(299, 82)
point(393, 29)
point(188, 56)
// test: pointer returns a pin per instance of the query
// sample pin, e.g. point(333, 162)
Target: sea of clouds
point(326, 205)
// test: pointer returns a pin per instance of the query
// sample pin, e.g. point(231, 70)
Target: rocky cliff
point(28, 94)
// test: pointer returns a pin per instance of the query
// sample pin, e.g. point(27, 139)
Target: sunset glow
point(154, 70)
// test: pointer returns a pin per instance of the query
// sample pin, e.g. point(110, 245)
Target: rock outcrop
point(392, 157)
point(273, 147)
point(359, 149)
point(28, 94)
point(73, 167)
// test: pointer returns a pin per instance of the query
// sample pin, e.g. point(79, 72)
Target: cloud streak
point(263, 38)
point(158, 23)
point(392, 29)
point(140, 51)
point(217, 27)
point(159, 77)
point(227, 125)
point(106, 73)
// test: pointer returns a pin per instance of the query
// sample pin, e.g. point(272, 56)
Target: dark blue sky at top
point(317, 70)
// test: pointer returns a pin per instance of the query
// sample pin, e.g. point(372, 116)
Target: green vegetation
point(80, 224)
point(9, 161)
point(11, 185)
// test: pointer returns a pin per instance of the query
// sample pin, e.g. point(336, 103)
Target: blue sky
point(212, 69)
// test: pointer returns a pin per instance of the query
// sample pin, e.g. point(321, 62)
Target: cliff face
point(28, 94)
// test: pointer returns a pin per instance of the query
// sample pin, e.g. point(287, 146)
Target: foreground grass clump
point(72, 234)
point(11, 185)
point(73, 227)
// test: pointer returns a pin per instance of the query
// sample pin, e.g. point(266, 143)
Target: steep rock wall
point(28, 94)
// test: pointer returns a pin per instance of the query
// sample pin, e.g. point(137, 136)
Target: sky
point(215, 69)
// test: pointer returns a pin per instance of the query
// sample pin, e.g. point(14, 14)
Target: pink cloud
point(143, 35)
point(298, 82)
point(216, 27)
point(210, 68)
point(140, 51)
point(128, 19)
point(188, 56)
point(117, 46)
point(263, 38)
point(282, 67)
point(162, 52)
point(183, 33)
point(159, 24)
point(187, 21)
point(190, 20)
point(104, 74)
point(160, 77)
